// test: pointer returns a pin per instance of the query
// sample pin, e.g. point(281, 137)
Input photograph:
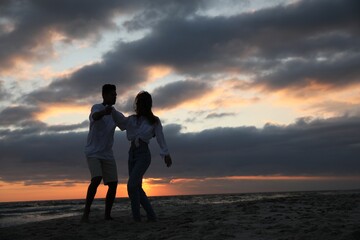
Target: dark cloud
point(154, 12)
point(318, 147)
point(23, 123)
point(175, 93)
point(323, 35)
point(308, 147)
point(87, 82)
point(219, 115)
point(170, 95)
point(301, 73)
point(43, 158)
point(26, 33)
point(29, 128)
point(33, 22)
point(281, 46)
point(202, 44)
point(4, 94)
point(16, 115)
point(67, 128)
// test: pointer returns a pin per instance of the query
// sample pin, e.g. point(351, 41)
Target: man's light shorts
point(105, 168)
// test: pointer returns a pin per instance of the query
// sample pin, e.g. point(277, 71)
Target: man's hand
point(98, 115)
point(107, 110)
point(168, 161)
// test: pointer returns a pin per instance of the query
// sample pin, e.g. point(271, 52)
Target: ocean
point(17, 213)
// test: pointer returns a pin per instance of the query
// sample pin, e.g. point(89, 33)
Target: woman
point(140, 128)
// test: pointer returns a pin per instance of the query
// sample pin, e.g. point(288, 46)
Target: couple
point(140, 128)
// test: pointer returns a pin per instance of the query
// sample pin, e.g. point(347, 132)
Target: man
point(98, 151)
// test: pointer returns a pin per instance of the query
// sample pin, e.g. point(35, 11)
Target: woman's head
point(143, 105)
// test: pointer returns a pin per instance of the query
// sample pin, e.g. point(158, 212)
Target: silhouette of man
point(98, 151)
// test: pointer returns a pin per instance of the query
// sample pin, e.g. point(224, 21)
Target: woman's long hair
point(142, 107)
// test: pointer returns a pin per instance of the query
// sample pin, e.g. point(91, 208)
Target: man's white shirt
point(100, 139)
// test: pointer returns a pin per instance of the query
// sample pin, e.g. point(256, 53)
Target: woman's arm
point(119, 119)
point(164, 152)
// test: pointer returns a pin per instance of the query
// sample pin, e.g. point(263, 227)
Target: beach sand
point(306, 216)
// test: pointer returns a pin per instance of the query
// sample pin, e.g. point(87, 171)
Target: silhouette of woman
point(140, 128)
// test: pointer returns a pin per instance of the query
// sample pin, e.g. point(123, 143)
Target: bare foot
point(85, 218)
point(108, 218)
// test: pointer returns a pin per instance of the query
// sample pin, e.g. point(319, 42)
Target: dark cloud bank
point(328, 147)
point(288, 46)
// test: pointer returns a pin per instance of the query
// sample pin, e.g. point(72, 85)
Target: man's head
point(109, 94)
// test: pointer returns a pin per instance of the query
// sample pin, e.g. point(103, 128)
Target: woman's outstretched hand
point(167, 160)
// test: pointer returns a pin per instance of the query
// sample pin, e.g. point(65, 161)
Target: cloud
point(34, 26)
point(29, 29)
point(175, 93)
point(204, 44)
point(54, 154)
point(154, 12)
point(337, 107)
point(275, 46)
point(172, 94)
point(319, 147)
point(3, 92)
point(87, 82)
point(307, 147)
point(219, 115)
point(21, 122)
point(16, 115)
point(67, 128)
point(301, 73)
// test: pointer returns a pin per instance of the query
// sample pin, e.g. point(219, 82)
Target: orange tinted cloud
point(59, 110)
point(158, 71)
point(212, 100)
point(318, 100)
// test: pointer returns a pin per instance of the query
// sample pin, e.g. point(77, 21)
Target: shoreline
point(195, 195)
point(310, 215)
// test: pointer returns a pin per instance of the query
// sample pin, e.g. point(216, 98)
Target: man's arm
point(98, 115)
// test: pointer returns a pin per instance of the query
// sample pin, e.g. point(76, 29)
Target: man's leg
point(109, 171)
point(110, 197)
point(95, 182)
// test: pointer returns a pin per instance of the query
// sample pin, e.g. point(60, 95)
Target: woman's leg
point(144, 201)
point(139, 161)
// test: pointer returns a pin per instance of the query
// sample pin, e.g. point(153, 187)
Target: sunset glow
point(56, 114)
point(156, 187)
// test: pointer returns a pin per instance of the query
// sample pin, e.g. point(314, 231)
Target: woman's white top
point(140, 128)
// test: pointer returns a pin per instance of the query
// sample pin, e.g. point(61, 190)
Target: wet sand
point(309, 215)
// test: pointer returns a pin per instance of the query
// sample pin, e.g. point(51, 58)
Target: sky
point(254, 95)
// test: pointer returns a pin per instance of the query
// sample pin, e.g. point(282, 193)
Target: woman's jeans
point(139, 161)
